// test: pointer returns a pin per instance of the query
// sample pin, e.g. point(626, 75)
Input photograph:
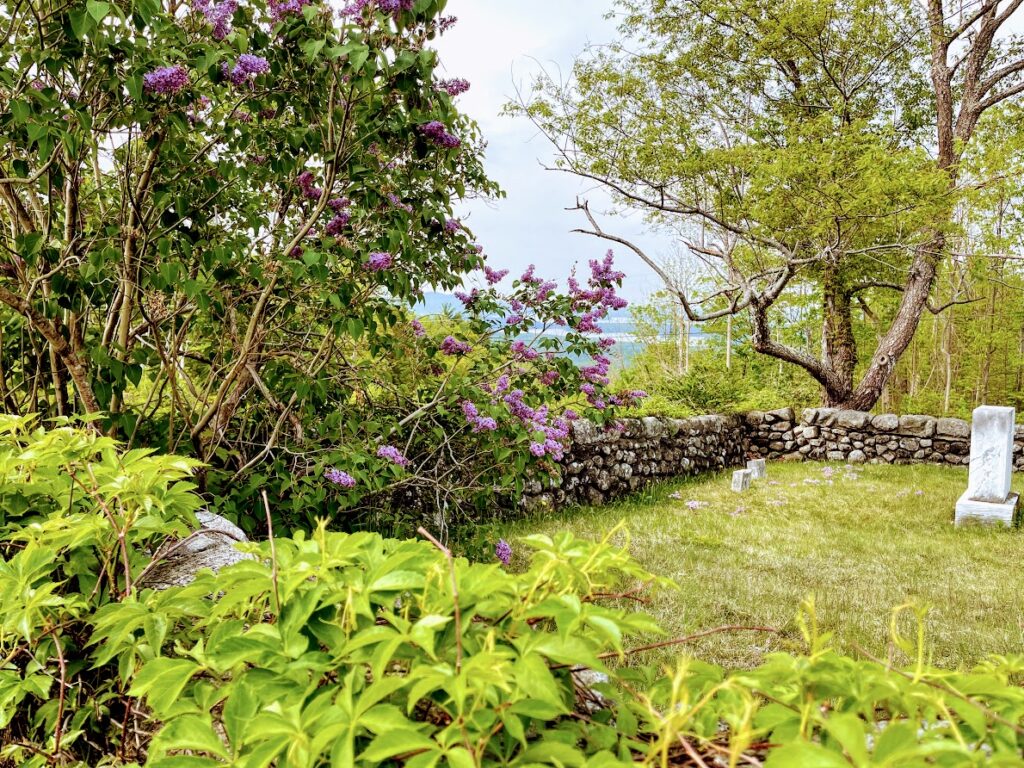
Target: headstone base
point(970, 510)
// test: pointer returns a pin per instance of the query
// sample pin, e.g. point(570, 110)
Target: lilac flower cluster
point(468, 299)
point(379, 261)
point(452, 225)
point(451, 346)
point(523, 351)
point(417, 329)
point(337, 223)
point(279, 9)
point(395, 7)
point(628, 398)
point(503, 552)
point(165, 80)
point(307, 184)
point(336, 476)
point(478, 422)
point(494, 276)
point(393, 455)
point(217, 14)
point(529, 277)
point(247, 68)
point(555, 431)
point(600, 295)
point(437, 134)
point(396, 201)
point(453, 87)
point(445, 23)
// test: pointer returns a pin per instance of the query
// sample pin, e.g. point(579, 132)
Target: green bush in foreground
point(337, 649)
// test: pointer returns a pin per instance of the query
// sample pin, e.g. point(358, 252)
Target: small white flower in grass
point(919, 493)
point(694, 504)
point(677, 495)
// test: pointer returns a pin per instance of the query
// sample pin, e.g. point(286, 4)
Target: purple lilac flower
point(165, 80)
point(336, 476)
point(337, 223)
point(452, 225)
point(306, 180)
point(537, 449)
point(217, 14)
point(450, 346)
point(338, 203)
point(417, 329)
point(379, 260)
point(469, 410)
point(248, 67)
point(281, 8)
point(393, 455)
point(485, 424)
point(570, 414)
point(37, 84)
point(396, 201)
point(523, 351)
point(437, 134)
point(529, 277)
point(394, 7)
point(494, 276)
point(544, 289)
point(445, 23)
point(549, 377)
point(467, 299)
point(453, 87)
point(513, 320)
point(503, 552)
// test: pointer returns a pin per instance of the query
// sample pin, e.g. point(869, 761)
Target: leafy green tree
point(792, 144)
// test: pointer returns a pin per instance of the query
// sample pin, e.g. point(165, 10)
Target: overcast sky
point(494, 44)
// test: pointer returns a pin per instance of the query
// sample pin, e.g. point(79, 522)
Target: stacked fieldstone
point(603, 463)
point(828, 434)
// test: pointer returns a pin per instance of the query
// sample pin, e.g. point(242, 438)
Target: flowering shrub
point(215, 238)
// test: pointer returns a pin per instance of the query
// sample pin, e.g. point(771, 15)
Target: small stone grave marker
point(741, 479)
point(988, 498)
point(758, 469)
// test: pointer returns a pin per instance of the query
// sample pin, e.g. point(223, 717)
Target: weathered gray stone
point(852, 419)
point(210, 546)
point(758, 469)
point(856, 457)
point(952, 428)
point(917, 426)
point(741, 479)
point(886, 422)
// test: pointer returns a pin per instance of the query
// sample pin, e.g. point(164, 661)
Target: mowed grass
point(861, 542)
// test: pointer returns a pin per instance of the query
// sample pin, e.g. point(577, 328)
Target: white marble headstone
point(988, 498)
point(991, 453)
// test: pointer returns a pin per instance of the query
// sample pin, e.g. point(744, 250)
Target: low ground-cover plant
point(350, 649)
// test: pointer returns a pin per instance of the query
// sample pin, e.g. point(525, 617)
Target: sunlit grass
point(861, 542)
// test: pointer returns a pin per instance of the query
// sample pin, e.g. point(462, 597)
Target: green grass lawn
point(862, 543)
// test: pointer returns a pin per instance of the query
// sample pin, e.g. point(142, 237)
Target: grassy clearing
point(861, 542)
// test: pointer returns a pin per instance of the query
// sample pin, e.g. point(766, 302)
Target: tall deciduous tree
point(791, 142)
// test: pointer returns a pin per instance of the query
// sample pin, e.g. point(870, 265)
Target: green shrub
point(350, 649)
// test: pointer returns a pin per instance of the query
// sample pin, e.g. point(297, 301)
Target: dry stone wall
point(604, 463)
point(828, 434)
